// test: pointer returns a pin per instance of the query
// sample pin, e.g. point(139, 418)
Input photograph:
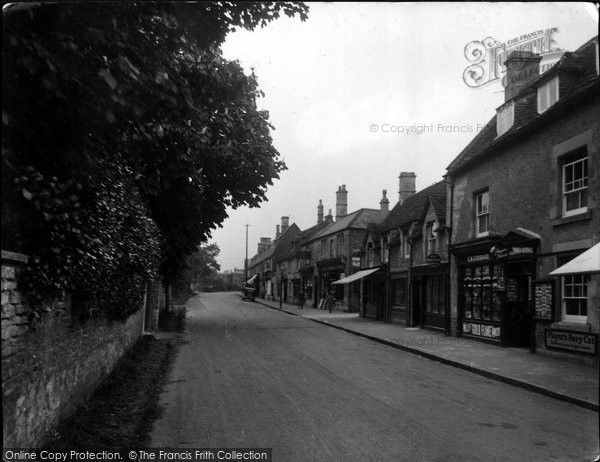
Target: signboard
point(434, 259)
point(543, 293)
point(580, 342)
point(512, 290)
point(481, 330)
point(500, 252)
point(355, 262)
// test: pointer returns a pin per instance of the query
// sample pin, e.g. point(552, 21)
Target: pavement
point(553, 377)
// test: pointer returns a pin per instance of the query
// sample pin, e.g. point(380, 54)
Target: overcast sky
point(337, 84)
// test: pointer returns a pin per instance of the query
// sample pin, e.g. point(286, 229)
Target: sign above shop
point(500, 252)
point(580, 342)
point(434, 259)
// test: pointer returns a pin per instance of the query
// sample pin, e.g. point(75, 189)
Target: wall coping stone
point(14, 257)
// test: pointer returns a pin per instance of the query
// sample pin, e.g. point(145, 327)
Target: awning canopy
point(356, 276)
point(251, 280)
point(586, 263)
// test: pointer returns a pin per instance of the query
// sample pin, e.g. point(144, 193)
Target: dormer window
point(505, 118)
point(547, 94)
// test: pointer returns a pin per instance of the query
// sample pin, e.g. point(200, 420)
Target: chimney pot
point(341, 202)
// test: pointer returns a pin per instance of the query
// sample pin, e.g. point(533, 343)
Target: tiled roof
point(412, 208)
point(439, 205)
point(579, 71)
point(283, 246)
point(358, 219)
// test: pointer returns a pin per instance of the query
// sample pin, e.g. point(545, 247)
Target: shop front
point(330, 270)
point(370, 282)
point(495, 291)
point(430, 296)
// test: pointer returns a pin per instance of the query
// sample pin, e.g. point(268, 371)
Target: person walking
point(329, 302)
point(301, 300)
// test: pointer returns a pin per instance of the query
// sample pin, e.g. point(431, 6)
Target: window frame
point(546, 98)
point(479, 215)
point(583, 298)
point(571, 161)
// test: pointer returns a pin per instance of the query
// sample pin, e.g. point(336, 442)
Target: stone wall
point(51, 363)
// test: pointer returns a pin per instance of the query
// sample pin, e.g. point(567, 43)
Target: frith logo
point(487, 56)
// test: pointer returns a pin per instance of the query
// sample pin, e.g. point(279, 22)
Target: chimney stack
point(329, 216)
point(264, 244)
point(320, 212)
point(277, 232)
point(285, 224)
point(341, 202)
point(384, 204)
point(522, 67)
point(407, 186)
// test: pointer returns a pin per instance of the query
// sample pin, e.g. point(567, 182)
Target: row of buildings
point(471, 255)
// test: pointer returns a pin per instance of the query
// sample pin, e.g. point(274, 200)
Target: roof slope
point(357, 220)
point(579, 66)
point(412, 208)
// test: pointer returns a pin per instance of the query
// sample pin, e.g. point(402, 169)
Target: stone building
point(523, 200)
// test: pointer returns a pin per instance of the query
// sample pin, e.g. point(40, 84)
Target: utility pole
point(246, 259)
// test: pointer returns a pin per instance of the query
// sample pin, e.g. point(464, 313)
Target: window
point(340, 244)
point(547, 95)
point(430, 238)
point(399, 292)
point(385, 251)
point(331, 248)
point(323, 248)
point(575, 184)
point(505, 118)
point(483, 289)
point(482, 214)
point(406, 244)
point(370, 254)
point(574, 298)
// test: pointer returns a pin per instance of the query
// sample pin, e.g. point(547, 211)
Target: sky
point(363, 91)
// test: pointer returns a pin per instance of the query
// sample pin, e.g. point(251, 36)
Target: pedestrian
point(301, 300)
point(329, 302)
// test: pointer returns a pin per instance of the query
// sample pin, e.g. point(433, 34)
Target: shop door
point(417, 302)
point(517, 313)
point(380, 300)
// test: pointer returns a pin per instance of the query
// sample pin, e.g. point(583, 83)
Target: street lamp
point(246, 259)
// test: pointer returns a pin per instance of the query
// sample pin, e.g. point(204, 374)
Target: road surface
point(251, 376)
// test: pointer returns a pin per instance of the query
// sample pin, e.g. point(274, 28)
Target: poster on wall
point(543, 295)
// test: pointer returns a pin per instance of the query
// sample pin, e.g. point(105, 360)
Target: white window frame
point(481, 213)
point(575, 280)
point(578, 186)
point(505, 118)
point(547, 94)
point(406, 244)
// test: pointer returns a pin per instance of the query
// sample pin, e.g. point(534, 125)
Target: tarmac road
point(252, 377)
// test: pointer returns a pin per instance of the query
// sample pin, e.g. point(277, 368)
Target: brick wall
point(49, 365)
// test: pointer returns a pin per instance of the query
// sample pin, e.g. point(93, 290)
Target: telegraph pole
point(246, 260)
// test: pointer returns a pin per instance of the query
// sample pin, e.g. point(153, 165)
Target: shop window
point(482, 214)
point(483, 290)
point(399, 292)
point(547, 95)
point(574, 297)
point(575, 184)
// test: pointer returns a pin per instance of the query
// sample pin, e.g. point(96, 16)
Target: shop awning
point(586, 263)
point(356, 276)
point(251, 280)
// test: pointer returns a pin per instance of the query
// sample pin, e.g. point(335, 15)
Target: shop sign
point(481, 330)
point(544, 300)
point(434, 259)
point(499, 252)
point(580, 342)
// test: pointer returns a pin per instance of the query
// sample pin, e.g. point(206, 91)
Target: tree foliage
point(125, 129)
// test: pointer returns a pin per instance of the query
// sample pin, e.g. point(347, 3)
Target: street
point(250, 376)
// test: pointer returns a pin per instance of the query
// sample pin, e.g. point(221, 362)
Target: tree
point(134, 99)
point(203, 262)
